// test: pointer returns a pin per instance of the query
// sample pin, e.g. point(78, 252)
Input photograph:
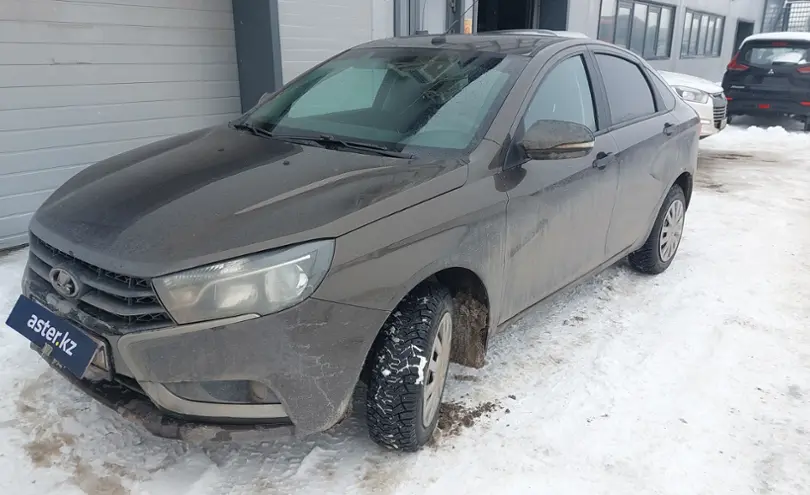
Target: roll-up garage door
point(313, 30)
point(82, 80)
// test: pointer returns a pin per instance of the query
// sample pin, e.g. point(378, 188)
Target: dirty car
point(385, 213)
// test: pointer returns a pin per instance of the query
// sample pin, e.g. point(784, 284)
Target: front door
point(559, 210)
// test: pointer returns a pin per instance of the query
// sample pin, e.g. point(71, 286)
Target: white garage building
point(82, 80)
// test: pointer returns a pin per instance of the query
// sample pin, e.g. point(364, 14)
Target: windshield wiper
point(328, 141)
point(257, 131)
point(323, 140)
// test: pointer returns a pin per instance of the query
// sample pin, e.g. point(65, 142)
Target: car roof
point(540, 32)
point(781, 36)
point(492, 42)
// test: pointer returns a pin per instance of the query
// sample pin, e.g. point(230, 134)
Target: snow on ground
point(693, 382)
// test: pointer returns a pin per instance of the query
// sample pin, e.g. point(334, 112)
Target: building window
point(643, 27)
point(702, 34)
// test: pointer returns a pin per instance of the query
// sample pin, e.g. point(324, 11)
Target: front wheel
point(409, 366)
point(659, 250)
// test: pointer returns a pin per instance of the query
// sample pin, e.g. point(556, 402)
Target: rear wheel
point(807, 124)
point(659, 250)
point(409, 368)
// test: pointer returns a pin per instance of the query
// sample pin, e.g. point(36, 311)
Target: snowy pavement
point(693, 382)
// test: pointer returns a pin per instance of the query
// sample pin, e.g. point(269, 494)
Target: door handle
point(669, 129)
point(603, 160)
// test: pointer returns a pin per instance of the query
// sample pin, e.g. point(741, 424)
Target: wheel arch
point(472, 318)
point(473, 312)
point(685, 182)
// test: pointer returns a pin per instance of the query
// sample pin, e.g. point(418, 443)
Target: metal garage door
point(81, 80)
point(313, 30)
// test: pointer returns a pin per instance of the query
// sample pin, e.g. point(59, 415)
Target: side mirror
point(557, 140)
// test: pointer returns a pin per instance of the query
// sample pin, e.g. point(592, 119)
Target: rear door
point(559, 210)
point(770, 70)
point(644, 128)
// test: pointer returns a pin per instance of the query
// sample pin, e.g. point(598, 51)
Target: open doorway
point(744, 30)
point(496, 15)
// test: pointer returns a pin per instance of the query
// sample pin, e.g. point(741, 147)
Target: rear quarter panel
point(684, 146)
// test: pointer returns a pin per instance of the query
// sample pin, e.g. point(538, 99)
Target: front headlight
point(692, 94)
point(262, 284)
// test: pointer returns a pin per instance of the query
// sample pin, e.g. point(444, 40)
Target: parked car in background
point(384, 213)
point(770, 75)
point(706, 97)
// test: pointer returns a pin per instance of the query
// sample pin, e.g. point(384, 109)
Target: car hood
point(678, 79)
point(219, 193)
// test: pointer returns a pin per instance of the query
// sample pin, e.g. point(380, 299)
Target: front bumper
point(310, 356)
point(712, 116)
point(139, 409)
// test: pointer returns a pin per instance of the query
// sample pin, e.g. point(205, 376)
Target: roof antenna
point(475, 2)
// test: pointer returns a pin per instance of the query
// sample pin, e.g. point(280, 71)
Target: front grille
point(719, 105)
point(121, 302)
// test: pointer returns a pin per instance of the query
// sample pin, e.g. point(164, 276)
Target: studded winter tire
point(408, 369)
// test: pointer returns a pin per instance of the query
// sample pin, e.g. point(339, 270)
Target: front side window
point(643, 27)
point(416, 100)
point(564, 94)
point(628, 92)
point(702, 34)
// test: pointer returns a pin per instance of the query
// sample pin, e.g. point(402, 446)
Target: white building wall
point(733, 10)
point(583, 16)
point(81, 81)
point(382, 19)
point(433, 15)
point(312, 31)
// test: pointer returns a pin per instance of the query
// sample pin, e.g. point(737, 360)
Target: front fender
point(377, 265)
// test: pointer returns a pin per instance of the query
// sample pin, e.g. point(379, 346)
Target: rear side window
point(665, 90)
point(771, 53)
point(628, 91)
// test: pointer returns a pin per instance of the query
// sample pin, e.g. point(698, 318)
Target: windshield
point(405, 99)
point(776, 53)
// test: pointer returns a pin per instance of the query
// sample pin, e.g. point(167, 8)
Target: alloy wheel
point(671, 231)
point(438, 364)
